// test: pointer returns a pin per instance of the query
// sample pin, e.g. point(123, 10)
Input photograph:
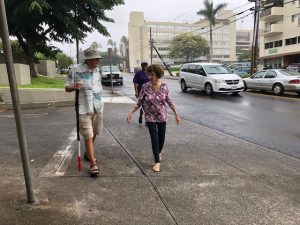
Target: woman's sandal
point(94, 172)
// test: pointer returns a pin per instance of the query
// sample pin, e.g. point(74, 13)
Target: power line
point(237, 14)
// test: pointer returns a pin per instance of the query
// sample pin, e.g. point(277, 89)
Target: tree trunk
point(30, 61)
point(211, 44)
point(29, 55)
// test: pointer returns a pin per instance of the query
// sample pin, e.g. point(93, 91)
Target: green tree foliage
point(64, 61)
point(246, 55)
point(36, 22)
point(115, 59)
point(96, 45)
point(210, 13)
point(188, 46)
point(15, 47)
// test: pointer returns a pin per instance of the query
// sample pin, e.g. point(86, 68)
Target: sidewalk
point(207, 178)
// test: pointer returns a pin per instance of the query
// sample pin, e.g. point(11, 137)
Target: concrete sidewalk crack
point(145, 175)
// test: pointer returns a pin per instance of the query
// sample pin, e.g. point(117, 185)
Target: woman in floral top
point(153, 98)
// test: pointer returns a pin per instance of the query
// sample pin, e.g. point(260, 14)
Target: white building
point(280, 39)
point(224, 38)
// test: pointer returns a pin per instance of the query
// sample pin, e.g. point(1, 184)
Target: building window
point(299, 37)
point(291, 41)
point(278, 43)
point(294, 41)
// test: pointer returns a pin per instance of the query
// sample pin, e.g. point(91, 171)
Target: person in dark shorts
point(140, 78)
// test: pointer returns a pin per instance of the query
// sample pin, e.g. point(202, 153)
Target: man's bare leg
point(89, 148)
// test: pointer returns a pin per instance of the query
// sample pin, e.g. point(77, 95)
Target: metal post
point(77, 48)
point(77, 39)
point(16, 103)
point(111, 74)
point(151, 46)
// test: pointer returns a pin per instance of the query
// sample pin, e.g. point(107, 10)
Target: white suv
point(210, 77)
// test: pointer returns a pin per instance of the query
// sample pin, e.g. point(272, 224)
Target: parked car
point(276, 80)
point(210, 77)
point(242, 71)
point(233, 66)
point(294, 66)
point(106, 75)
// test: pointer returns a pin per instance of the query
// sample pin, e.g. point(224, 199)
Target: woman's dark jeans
point(157, 133)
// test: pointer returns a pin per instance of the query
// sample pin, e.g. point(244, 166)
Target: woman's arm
point(172, 105)
point(137, 106)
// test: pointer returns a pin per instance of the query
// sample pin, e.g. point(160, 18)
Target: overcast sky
point(155, 10)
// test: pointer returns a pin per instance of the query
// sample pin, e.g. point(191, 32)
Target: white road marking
point(121, 99)
point(27, 115)
point(58, 165)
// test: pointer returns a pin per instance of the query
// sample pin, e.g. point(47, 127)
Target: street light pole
point(16, 102)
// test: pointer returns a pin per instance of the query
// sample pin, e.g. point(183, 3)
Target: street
point(263, 119)
point(207, 177)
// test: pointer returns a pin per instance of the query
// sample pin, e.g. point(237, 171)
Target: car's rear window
point(290, 73)
point(216, 69)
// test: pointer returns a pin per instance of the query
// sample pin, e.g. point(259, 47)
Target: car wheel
point(209, 89)
point(245, 86)
point(183, 86)
point(278, 89)
point(121, 83)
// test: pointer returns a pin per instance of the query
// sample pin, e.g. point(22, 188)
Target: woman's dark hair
point(157, 69)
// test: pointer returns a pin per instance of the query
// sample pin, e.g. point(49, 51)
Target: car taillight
point(294, 81)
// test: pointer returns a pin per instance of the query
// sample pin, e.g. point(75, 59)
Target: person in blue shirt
point(140, 78)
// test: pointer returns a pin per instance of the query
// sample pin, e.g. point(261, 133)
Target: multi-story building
point(280, 39)
point(243, 41)
point(224, 38)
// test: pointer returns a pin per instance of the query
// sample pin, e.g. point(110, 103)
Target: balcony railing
point(271, 13)
point(273, 29)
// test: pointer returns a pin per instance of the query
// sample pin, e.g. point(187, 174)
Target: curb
point(36, 105)
point(49, 104)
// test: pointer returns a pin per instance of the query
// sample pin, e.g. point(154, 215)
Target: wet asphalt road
point(261, 118)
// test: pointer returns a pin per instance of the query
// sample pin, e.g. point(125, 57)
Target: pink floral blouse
point(154, 102)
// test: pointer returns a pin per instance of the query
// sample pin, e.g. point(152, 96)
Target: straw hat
point(91, 53)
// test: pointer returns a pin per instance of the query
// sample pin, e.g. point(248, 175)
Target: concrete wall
point(46, 68)
point(22, 72)
point(37, 97)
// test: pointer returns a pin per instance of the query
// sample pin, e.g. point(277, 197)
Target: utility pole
point(163, 61)
point(255, 36)
point(16, 102)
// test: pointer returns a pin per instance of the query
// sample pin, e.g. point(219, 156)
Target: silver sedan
point(276, 80)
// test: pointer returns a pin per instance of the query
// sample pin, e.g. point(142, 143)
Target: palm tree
point(125, 44)
point(209, 12)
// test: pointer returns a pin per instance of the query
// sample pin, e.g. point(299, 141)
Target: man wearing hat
point(87, 79)
point(140, 78)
